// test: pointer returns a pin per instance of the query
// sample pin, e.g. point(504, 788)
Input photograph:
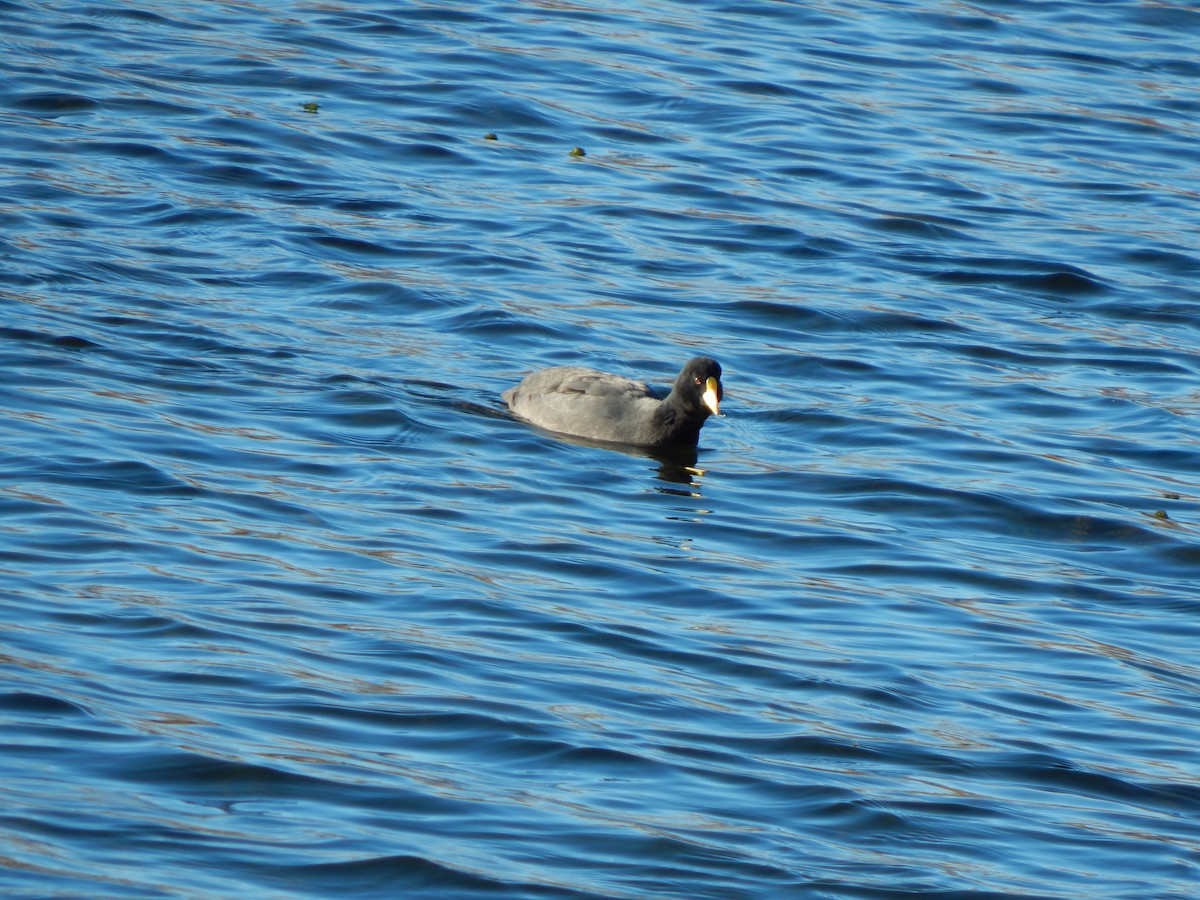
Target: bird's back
point(584, 402)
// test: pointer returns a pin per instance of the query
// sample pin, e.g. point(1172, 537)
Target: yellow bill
point(711, 395)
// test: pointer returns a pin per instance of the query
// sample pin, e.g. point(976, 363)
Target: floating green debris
point(490, 136)
point(577, 152)
point(312, 106)
point(1160, 514)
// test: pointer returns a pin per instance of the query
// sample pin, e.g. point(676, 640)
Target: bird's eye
point(696, 380)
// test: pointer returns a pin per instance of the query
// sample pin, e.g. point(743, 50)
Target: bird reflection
point(676, 465)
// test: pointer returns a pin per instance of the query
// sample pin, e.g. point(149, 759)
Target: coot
point(600, 406)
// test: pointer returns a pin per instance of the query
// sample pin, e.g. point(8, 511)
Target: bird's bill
point(712, 395)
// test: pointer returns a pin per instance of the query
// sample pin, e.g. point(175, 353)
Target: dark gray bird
point(600, 406)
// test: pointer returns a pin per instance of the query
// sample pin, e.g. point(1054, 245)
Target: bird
point(600, 406)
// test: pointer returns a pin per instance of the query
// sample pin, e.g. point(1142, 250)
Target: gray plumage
point(601, 406)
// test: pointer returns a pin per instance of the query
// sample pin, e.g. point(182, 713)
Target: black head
point(699, 385)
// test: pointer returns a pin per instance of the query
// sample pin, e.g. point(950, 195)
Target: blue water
point(293, 607)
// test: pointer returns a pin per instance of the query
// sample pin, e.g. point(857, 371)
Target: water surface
point(292, 607)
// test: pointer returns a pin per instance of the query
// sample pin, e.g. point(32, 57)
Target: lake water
point(293, 607)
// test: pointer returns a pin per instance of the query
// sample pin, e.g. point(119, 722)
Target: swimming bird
point(601, 406)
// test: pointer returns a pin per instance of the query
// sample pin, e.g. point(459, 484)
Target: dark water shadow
point(676, 465)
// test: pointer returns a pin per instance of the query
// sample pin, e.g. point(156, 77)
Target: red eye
point(697, 380)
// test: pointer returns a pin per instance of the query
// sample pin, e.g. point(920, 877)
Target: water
point(293, 608)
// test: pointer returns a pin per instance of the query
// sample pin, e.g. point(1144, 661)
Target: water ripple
point(294, 606)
